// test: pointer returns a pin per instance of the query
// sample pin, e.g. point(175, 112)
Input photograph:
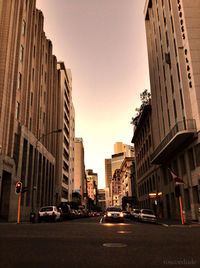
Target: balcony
point(179, 135)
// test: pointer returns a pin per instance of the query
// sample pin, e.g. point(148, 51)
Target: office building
point(173, 38)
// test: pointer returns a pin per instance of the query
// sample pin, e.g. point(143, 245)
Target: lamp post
point(34, 186)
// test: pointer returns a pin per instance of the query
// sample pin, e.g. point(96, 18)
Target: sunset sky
point(103, 42)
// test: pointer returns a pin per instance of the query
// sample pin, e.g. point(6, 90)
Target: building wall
point(172, 29)
point(64, 184)
point(79, 166)
point(28, 109)
point(72, 140)
point(108, 172)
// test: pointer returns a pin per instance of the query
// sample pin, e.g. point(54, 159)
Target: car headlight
point(121, 214)
point(109, 214)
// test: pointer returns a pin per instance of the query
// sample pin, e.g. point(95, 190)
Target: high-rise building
point(92, 185)
point(64, 159)
point(28, 109)
point(173, 38)
point(108, 172)
point(79, 167)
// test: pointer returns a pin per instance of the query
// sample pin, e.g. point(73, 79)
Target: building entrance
point(5, 195)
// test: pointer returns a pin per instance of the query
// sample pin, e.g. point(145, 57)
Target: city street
point(89, 243)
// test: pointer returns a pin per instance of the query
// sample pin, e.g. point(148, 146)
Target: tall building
point(71, 150)
point(79, 167)
point(146, 174)
point(119, 147)
point(28, 109)
point(108, 172)
point(173, 38)
point(92, 184)
point(65, 145)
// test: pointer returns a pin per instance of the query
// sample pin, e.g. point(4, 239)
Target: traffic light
point(18, 187)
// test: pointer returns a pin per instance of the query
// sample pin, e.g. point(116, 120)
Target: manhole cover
point(124, 232)
point(114, 245)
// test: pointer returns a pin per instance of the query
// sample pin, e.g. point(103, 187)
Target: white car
point(49, 213)
point(135, 213)
point(147, 215)
point(114, 214)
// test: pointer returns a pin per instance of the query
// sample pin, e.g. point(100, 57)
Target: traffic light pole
point(18, 211)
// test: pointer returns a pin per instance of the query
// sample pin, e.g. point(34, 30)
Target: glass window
point(23, 27)
point(21, 53)
point(197, 154)
point(17, 110)
point(19, 80)
point(191, 159)
point(182, 163)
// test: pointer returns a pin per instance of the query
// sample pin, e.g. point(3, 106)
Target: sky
point(103, 42)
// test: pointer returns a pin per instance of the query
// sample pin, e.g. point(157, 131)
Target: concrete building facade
point(173, 40)
point(32, 104)
point(92, 184)
point(64, 158)
point(28, 109)
point(79, 167)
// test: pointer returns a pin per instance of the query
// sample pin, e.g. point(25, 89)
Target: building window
point(34, 51)
point(191, 159)
point(30, 124)
point(23, 27)
point(43, 118)
point(182, 163)
point(197, 154)
point(21, 53)
point(19, 81)
point(44, 97)
point(17, 110)
point(33, 72)
point(31, 98)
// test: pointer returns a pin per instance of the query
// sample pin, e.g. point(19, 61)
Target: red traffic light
point(18, 187)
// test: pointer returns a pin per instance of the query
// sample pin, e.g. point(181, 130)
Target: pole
point(181, 210)
point(18, 212)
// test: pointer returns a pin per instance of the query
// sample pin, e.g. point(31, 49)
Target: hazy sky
point(103, 42)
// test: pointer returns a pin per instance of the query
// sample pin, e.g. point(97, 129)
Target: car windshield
point(136, 211)
point(147, 211)
point(46, 209)
point(114, 209)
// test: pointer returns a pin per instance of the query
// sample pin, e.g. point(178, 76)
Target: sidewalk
point(177, 223)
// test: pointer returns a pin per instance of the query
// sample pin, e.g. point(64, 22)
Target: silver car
point(147, 215)
point(49, 213)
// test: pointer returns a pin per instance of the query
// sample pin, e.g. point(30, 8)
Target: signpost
point(18, 191)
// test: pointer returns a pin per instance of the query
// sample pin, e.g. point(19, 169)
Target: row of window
point(143, 168)
point(147, 186)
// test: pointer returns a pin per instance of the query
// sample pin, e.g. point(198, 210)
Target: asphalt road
point(89, 243)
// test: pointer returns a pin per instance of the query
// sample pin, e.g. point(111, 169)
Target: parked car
point(114, 214)
point(49, 213)
point(135, 214)
point(126, 214)
point(147, 215)
point(66, 210)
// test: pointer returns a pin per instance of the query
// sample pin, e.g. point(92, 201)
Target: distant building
point(79, 167)
point(116, 188)
point(101, 199)
point(108, 172)
point(92, 184)
point(65, 163)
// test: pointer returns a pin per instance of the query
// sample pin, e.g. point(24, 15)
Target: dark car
point(114, 214)
point(65, 210)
